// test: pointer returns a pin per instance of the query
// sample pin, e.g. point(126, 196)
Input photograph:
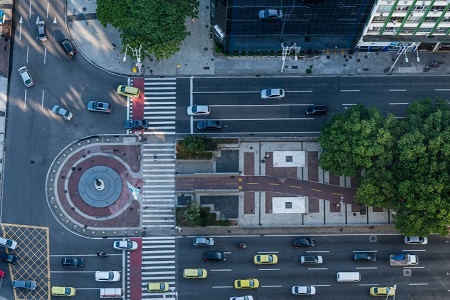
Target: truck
point(403, 260)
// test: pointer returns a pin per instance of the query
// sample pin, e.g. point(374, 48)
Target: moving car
point(318, 110)
point(26, 76)
point(40, 28)
point(67, 47)
point(107, 276)
point(246, 283)
point(155, 287)
point(125, 245)
point(9, 258)
point(7, 243)
point(209, 125)
point(265, 259)
point(203, 242)
point(311, 259)
point(214, 256)
point(136, 124)
point(195, 273)
point(65, 114)
point(249, 297)
point(63, 291)
point(24, 284)
point(303, 242)
point(198, 110)
point(270, 14)
point(128, 91)
point(415, 240)
point(99, 107)
point(307, 290)
point(72, 262)
point(364, 256)
point(272, 94)
point(382, 291)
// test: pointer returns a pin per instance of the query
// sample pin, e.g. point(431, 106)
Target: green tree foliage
point(406, 165)
point(192, 214)
point(158, 26)
point(195, 143)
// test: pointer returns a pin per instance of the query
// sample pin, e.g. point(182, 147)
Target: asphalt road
point(428, 280)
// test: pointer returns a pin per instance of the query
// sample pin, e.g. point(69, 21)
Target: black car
point(12, 259)
point(303, 242)
point(72, 262)
point(364, 256)
point(67, 47)
point(209, 125)
point(136, 124)
point(316, 110)
point(214, 256)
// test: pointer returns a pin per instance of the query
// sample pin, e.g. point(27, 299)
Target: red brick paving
point(312, 164)
point(210, 181)
point(138, 103)
point(249, 163)
point(249, 203)
point(313, 206)
point(136, 271)
point(334, 179)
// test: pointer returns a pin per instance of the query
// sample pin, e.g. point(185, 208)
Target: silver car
point(203, 242)
point(40, 28)
point(26, 76)
point(63, 113)
point(24, 284)
point(198, 110)
point(272, 94)
point(415, 240)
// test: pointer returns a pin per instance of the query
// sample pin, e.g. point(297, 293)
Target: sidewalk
point(102, 47)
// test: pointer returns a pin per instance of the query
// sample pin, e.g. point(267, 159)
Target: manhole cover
point(407, 272)
point(372, 238)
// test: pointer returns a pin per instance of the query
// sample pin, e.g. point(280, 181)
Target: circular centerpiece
point(100, 186)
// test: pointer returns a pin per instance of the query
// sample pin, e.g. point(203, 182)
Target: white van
point(348, 277)
point(111, 293)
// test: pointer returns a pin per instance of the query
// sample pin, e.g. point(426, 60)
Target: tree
point(192, 214)
point(158, 26)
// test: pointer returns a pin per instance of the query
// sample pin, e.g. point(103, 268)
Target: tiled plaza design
point(121, 154)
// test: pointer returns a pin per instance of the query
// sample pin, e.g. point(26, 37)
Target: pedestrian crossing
point(160, 105)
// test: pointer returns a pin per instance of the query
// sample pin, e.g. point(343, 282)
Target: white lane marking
point(368, 284)
point(25, 102)
point(442, 90)
point(350, 90)
point(45, 55)
point(349, 104)
point(366, 268)
point(364, 251)
point(269, 269)
point(191, 101)
point(221, 270)
point(48, 7)
point(418, 283)
point(398, 103)
point(415, 250)
point(228, 92)
point(222, 287)
point(300, 91)
point(42, 101)
point(29, 15)
point(271, 286)
point(313, 251)
point(20, 30)
point(28, 52)
point(317, 268)
point(397, 90)
point(322, 285)
point(409, 267)
point(268, 252)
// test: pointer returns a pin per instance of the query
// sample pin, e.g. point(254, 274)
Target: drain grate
point(366, 69)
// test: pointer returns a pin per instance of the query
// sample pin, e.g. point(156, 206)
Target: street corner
point(95, 189)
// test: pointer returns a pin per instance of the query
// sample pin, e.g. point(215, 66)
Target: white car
point(198, 110)
point(7, 243)
point(40, 28)
point(26, 76)
point(63, 113)
point(125, 245)
point(249, 297)
point(272, 94)
point(107, 276)
point(415, 240)
point(303, 290)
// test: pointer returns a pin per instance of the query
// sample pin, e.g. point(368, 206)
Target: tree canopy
point(158, 26)
point(405, 163)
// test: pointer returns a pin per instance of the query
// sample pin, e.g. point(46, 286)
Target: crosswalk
point(160, 105)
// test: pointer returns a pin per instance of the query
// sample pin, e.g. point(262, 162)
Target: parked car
point(63, 113)
point(136, 124)
point(63, 291)
point(209, 125)
point(214, 256)
point(265, 259)
point(67, 47)
point(24, 284)
point(272, 94)
point(250, 283)
point(107, 276)
point(249, 297)
point(72, 262)
point(98, 106)
point(364, 256)
point(40, 28)
point(7, 243)
point(307, 290)
point(415, 240)
point(26, 76)
point(128, 91)
point(382, 291)
point(9, 258)
point(303, 242)
point(311, 259)
point(198, 110)
point(125, 245)
point(270, 14)
point(157, 287)
point(316, 110)
point(203, 242)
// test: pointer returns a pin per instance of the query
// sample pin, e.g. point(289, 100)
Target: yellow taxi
point(382, 291)
point(250, 283)
point(265, 259)
point(155, 287)
point(63, 291)
point(195, 273)
point(128, 91)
